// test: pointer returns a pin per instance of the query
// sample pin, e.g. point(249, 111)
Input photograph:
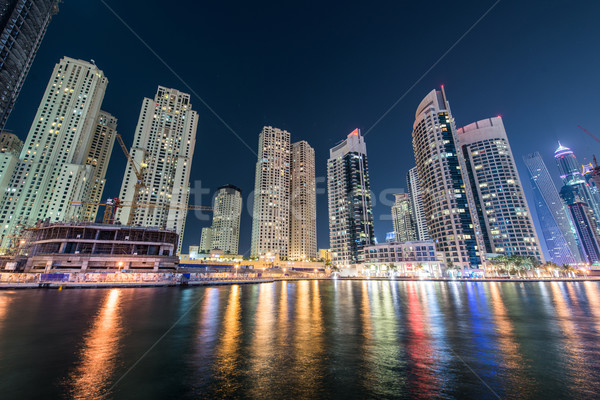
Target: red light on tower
point(355, 132)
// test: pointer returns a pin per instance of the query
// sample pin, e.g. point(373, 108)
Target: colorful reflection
point(261, 373)
point(100, 351)
point(228, 348)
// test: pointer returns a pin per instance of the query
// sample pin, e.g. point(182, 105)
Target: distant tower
point(225, 232)
point(105, 131)
point(504, 215)
point(557, 227)
point(349, 197)
point(52, 169)
point(416, 202)
point(447, 200)
point(404, 229)
point(23, 24)
point(164, 142)
point(10, 148)
point(303, 203)
point(271, 217)
point(206, 240)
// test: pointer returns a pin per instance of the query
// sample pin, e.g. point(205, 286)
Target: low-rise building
point(418, 258)
point(100, 247)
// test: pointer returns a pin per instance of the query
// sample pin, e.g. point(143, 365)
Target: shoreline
point(111, 285)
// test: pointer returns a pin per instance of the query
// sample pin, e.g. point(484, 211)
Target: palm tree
point(567, 269)
point(498, 263)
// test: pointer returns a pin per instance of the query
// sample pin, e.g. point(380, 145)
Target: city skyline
point(464, 98)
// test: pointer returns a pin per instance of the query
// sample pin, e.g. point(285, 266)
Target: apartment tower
point(303, 203)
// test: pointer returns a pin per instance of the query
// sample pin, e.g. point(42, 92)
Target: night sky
point(321, 70)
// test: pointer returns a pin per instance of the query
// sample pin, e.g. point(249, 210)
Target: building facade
point(105, 131)
point(52, 171)
point(402, 219)
point(349, 198)
point(416, 202)
point(557, 227)
point(500, 202)
point(405, 259)
point(23, 24)
point(224, 234)
point(271, 216)
point(163, 148)
point(303, 203)
point(447, 200)
point(10, 149)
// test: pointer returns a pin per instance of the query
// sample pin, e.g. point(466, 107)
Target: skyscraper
point(23, 24)
point(164, 142)
point(349, 198)
point(500, 202)
point(585, 223)
point(447, 201)
point(224, 234)
point(571, 176)
point(271, 217)
point(105, 131)
point(10, 149)
point(404, 228)
point(303, 203)
point(416, 202)
point(52, 170)
point(557, 227)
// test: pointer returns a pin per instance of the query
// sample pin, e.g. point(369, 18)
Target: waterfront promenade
point(136, 280)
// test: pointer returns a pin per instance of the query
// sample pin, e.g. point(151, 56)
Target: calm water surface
point(308, 339)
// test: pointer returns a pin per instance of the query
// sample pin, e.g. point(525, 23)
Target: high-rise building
point(416, 202)
point(224, 234)
point(349, 198)
point(164, 142)
point(585, 222)
point(271, 217)
point(10, 148)
point(23, 24)
point(557, 227)
point(447, 199)
point(404, 228)
point(206, 240)
point(105, 132)
point(500, 202)
point(52, 171)
point(572, 176)
point(303, 203)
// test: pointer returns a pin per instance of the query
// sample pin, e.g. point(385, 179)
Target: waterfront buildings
point(23, 24)
point(504, 215)
point(402, 218)
point(557, 228)
point(163, 147)
point(303, 203)
point(413, 258)
point(447, 202)
point(271, 217)
point(52, 170)
point(349, 198)
point(224, 234)
point(62, 247)
point(10, 149)
point(416, 202)
point(105, 132)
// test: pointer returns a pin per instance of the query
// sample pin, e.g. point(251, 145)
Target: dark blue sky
point(321, 70)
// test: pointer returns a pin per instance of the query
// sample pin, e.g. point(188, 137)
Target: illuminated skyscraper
point(53, 169)
point(416, 202)
point(557, 227)
point(23, 24)
point(500, 202)
point(164, 143)
point(303, 203)
point(349, 197)
point(404, 228)
point(271, 217)
point(448, 203)
point(225, 231)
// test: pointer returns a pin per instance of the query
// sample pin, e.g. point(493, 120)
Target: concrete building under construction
point(100, 247)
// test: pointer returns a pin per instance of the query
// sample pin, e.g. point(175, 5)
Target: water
point(307, 339)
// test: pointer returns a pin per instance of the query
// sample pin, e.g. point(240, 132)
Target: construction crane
point(589, 133)
point(139, 184)
point(113, 204)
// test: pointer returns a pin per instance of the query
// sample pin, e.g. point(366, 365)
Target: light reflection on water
point(309, 339)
